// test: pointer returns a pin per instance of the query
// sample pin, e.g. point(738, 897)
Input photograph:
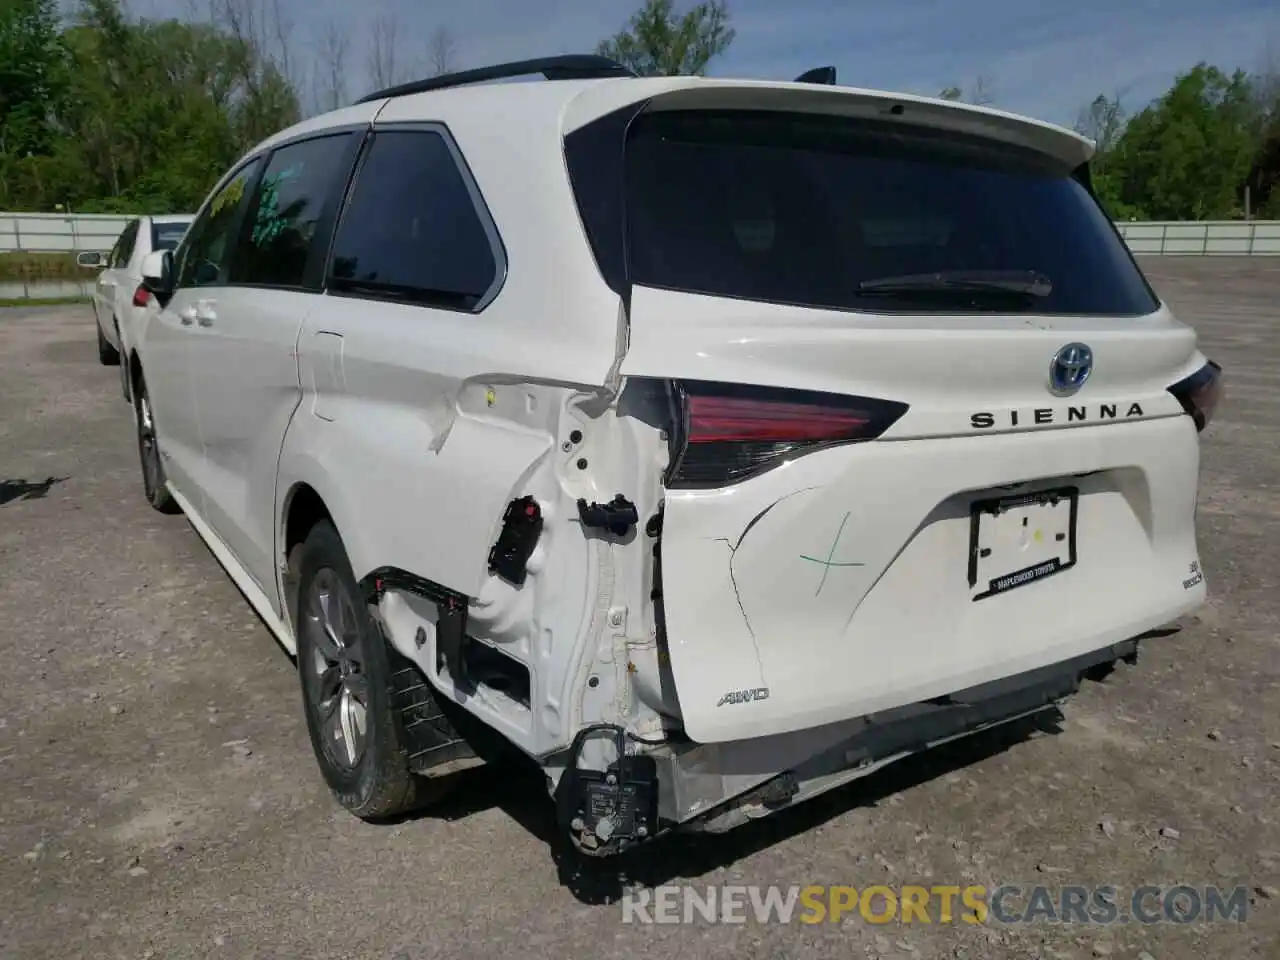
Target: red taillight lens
point(1200, 393)
point(727, 419)
point(731, 432)
point(141, 297)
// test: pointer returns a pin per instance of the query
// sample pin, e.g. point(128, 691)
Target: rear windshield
point(166, 236)
point(803, 209)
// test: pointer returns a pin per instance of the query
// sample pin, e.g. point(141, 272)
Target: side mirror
point(157, 273)
point(90, 258)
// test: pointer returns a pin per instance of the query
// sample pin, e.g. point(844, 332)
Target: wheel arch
point(306, 498)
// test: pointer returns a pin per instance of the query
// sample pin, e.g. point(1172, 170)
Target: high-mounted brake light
point(141, 296)
point(727, 432)
point(1200, 393)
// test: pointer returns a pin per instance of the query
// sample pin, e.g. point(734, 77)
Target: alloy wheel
point(147, 446)
point(337, 686)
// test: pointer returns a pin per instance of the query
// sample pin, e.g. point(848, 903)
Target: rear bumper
point(716, 787)
point(836, 588)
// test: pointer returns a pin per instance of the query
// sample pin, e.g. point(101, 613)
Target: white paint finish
point(744, 611)
point(405, 376)
point(246, 383)
point(550, 110)
point(946, 367)
point(417, 426)
point(324, 374)
point(417, 458)
point(164, 350)
point(902, 627)
point(601, 97)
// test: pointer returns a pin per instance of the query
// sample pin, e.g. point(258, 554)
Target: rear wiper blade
point(392, 291)
point(995, 281)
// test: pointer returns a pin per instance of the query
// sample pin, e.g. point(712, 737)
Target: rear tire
point(344, 672)
point(154, 485)
point(108, 355)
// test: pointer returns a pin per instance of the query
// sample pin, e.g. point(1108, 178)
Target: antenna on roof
point(822, 75)
point(574, 66)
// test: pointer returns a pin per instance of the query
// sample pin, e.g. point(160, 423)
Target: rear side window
point(123, 251)
point(830, 212)
point(412, 229)
point(300, 183)
point(166, 235)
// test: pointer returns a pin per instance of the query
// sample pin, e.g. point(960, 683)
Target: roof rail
point(573, 66)
point(823, 75)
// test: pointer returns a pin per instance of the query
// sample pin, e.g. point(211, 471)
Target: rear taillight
point(141, 296)
point(728, 432)
point(1200, 393)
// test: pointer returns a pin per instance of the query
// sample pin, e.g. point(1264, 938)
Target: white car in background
point(118, 291)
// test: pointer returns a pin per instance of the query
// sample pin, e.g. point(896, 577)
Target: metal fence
point(59, 232)
point(1203, 238)
point(74, 232)
point(54, 232)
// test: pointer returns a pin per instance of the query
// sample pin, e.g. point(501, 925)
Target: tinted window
point(207, 243)
point(166, 235)
point(411, 229)
point(291, 199)
point(801, 209)
point(123, 249)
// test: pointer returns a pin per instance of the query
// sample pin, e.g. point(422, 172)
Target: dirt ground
point(158, 796)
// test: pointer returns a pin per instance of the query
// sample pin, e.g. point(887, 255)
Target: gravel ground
point(158, 797)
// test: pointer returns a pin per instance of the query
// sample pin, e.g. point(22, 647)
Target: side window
point(207, 245)
point(411, 229)
point(123, 249)
point(298, 187)
point(130, 240)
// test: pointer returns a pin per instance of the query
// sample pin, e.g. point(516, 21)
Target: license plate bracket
point(1021, 538)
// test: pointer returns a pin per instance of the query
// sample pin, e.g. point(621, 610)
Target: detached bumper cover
point(716, 787)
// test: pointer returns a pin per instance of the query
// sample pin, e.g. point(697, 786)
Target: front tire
point(154, 484)
point(108, 355)
point(344, 673)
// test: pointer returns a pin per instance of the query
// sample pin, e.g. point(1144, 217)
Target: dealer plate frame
point(994, 506)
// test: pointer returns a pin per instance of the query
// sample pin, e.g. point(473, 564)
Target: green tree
point(33, 74)
point(1103, 122)
point(149, 113)
point(660, 42)
point(1186, 156)
point(1264, 175)
point(34, 70)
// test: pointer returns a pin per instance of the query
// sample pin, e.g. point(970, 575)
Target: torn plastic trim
point(617, 516)
point(451, 609)
point(521, 529)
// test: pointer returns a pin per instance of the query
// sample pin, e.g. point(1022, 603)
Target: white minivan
point(708, 442)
